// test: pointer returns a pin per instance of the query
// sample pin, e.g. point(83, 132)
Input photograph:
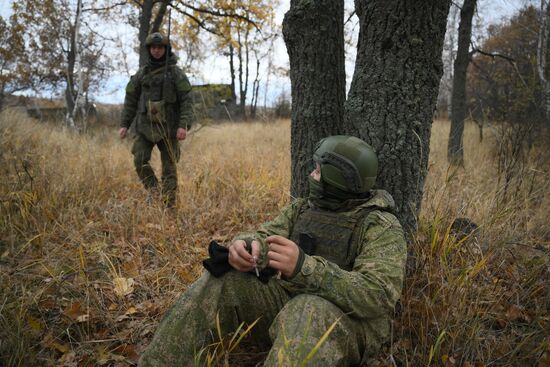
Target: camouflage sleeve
point(133, 91)
point(184, 99)
point(281, 225)
point(374, 285)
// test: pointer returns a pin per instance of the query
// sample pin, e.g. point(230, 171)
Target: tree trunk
point(255, 88)
point(394, 89)
point(455, 148)
point(70, 94)
point(2, 95)
point(144, 25)
point(542, 48)
point(314, 35)
point(451, 27)
point(232, 71)
point(242, 94)
point(155, 27)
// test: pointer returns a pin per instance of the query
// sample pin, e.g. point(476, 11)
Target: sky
point(216, 69)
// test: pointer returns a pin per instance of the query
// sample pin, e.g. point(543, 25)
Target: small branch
point(493, 55)
point(199, 22)
point(107, 8)
point(349, 18)
point(222, 14)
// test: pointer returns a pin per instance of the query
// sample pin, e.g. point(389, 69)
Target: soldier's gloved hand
point(181, 133)
point(240, 258)
point(122, 132)
point(283, 254)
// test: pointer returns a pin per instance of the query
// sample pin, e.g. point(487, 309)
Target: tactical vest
point(159, 91)
point(329, 234)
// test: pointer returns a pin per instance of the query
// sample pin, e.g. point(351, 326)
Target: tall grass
point(87, 267)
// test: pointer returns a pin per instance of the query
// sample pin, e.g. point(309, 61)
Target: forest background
point(88, 268)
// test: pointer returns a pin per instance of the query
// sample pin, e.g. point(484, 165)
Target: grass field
point(87, 268)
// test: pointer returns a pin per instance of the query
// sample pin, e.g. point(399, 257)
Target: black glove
point(218, 262)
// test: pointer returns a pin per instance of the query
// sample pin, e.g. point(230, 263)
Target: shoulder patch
point(183, 84)
point(134, 81)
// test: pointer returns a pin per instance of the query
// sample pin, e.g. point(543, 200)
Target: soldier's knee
point(140, 160)
point(319, 307)
point(234, 280)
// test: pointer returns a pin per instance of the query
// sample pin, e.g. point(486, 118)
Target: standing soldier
point(158, 98)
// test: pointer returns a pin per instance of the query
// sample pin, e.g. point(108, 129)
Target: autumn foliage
point(87, 268)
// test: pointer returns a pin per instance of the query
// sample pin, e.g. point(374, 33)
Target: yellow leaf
point(34, 323)
point(131, 310)
point(123, 286)
point(63, 348)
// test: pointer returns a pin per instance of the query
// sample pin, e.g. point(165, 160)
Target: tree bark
point(314, 35)
point(232, 71)
point(70, 94)
point(394, 89)
point(455, 148)
point(542, 48)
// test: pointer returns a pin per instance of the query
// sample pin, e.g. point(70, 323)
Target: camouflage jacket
point(373, 283)
point(155, 82)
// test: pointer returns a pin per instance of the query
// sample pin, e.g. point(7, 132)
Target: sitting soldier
point(340, 255)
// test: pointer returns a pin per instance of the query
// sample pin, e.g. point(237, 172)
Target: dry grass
point(87, 268)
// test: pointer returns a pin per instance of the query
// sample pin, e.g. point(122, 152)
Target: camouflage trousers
point(169, 155)
point(289, 327)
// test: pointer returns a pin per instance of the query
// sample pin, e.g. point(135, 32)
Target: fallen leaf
point(131, 310)
point(74, 311)
point(447, 361)
point(34, 323)
point(131, 268)
point(63, 348)
point(186, 276)
point(68, 360)
point(128, 351)
point(123, 286)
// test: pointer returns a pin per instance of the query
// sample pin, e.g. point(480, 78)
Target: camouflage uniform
point(158, 99)
point(354, 276)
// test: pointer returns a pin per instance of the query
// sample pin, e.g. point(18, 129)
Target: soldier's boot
point(302, 323)
point(190, 324)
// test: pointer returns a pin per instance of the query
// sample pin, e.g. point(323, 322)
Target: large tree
point(455, 151)
point(393, 92)
point(314, 34)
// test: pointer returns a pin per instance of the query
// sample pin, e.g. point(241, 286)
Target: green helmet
point(156, 39)
point(347, 163)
